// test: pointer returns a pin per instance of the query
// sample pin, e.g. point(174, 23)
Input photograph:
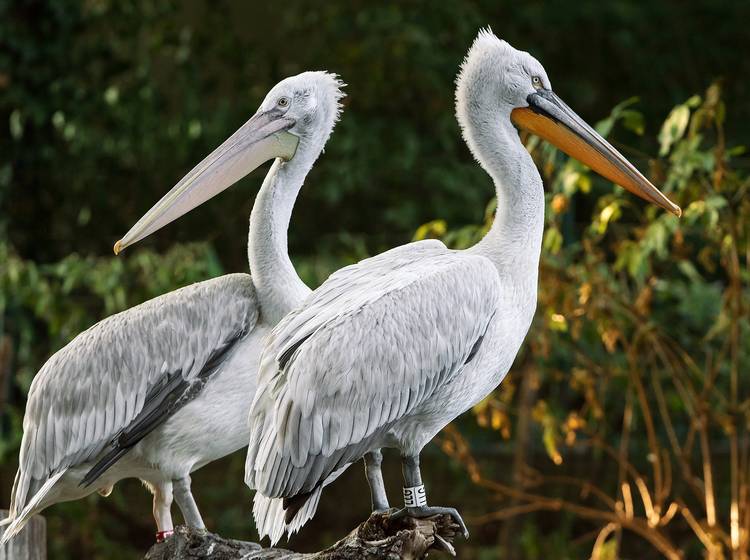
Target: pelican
point(388, 351)
point(160, 390)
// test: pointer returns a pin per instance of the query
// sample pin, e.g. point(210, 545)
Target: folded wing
point(367, 347)
point(109, 377)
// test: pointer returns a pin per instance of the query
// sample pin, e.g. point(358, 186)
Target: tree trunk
point(29, 544)
point(380, 537)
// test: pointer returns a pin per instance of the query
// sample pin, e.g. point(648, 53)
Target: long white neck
point(278, 286)
point(514, 240)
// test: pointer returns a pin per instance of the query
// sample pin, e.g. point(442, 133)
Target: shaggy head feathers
point(314, 103)
point(494, 70)
point(494, 79)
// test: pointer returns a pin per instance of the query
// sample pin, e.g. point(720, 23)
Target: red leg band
point(161, 536)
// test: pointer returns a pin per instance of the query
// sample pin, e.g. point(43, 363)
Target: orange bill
point(551, 119)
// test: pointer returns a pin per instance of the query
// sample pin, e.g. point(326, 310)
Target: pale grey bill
point(260, 139)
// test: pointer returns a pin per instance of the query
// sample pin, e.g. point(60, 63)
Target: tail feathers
point(305, 513)
point(270, 516)
point(293, 505)
point(20, 490)
point(17, 521)
point(252, 452)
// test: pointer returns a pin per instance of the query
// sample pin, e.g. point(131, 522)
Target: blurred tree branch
point(378, 538)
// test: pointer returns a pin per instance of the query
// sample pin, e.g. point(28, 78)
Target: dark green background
point(104, 105)
point(396, 159)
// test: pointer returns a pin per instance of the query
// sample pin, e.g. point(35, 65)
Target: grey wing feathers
point(94, 387)
point(171, 393)
point(367, 347)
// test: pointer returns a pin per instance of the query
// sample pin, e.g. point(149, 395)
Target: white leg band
point(415, 496)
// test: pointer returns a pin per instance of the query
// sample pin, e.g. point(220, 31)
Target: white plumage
point(165, 388)
point(378, 356)
point(388, 351)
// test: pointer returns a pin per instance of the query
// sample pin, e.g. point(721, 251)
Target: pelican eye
point(536, 81)
point(283, 102)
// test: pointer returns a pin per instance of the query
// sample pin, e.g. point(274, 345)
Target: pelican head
point(517, 85)
point(298, 113)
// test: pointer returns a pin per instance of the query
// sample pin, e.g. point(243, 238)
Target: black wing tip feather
point(161, 402)
point(474, 350)
point(102, 465)
point(293, 504)
point(289, 352)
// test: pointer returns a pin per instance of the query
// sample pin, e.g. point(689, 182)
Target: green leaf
point(656, 238)
point(673, 128)
point(553, 240)
point(619, 112)
point(634, 121)
point(689, 270)
point(16, 124)
point(693, 102)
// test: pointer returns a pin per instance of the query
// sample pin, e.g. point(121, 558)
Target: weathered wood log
point(29, 544)
point(378, 538)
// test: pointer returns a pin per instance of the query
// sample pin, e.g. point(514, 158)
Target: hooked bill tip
point(118, 247)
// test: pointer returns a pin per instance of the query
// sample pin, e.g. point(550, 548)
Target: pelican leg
point(374, 474)
point(415, 497)
point(163, 510)
point(186, 502)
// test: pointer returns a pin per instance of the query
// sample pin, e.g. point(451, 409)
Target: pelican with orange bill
point(388, 351)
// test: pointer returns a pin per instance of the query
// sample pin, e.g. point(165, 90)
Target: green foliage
point(637, 348)
point(106, 104)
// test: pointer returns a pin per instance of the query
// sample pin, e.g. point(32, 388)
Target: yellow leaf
point(498, 419)
point(609, 338)
point(559, 203)
point(434, 229)
point(557, 322)
point(584, 183)
point(610, 213)
point(550, 445)
point(584, 293)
